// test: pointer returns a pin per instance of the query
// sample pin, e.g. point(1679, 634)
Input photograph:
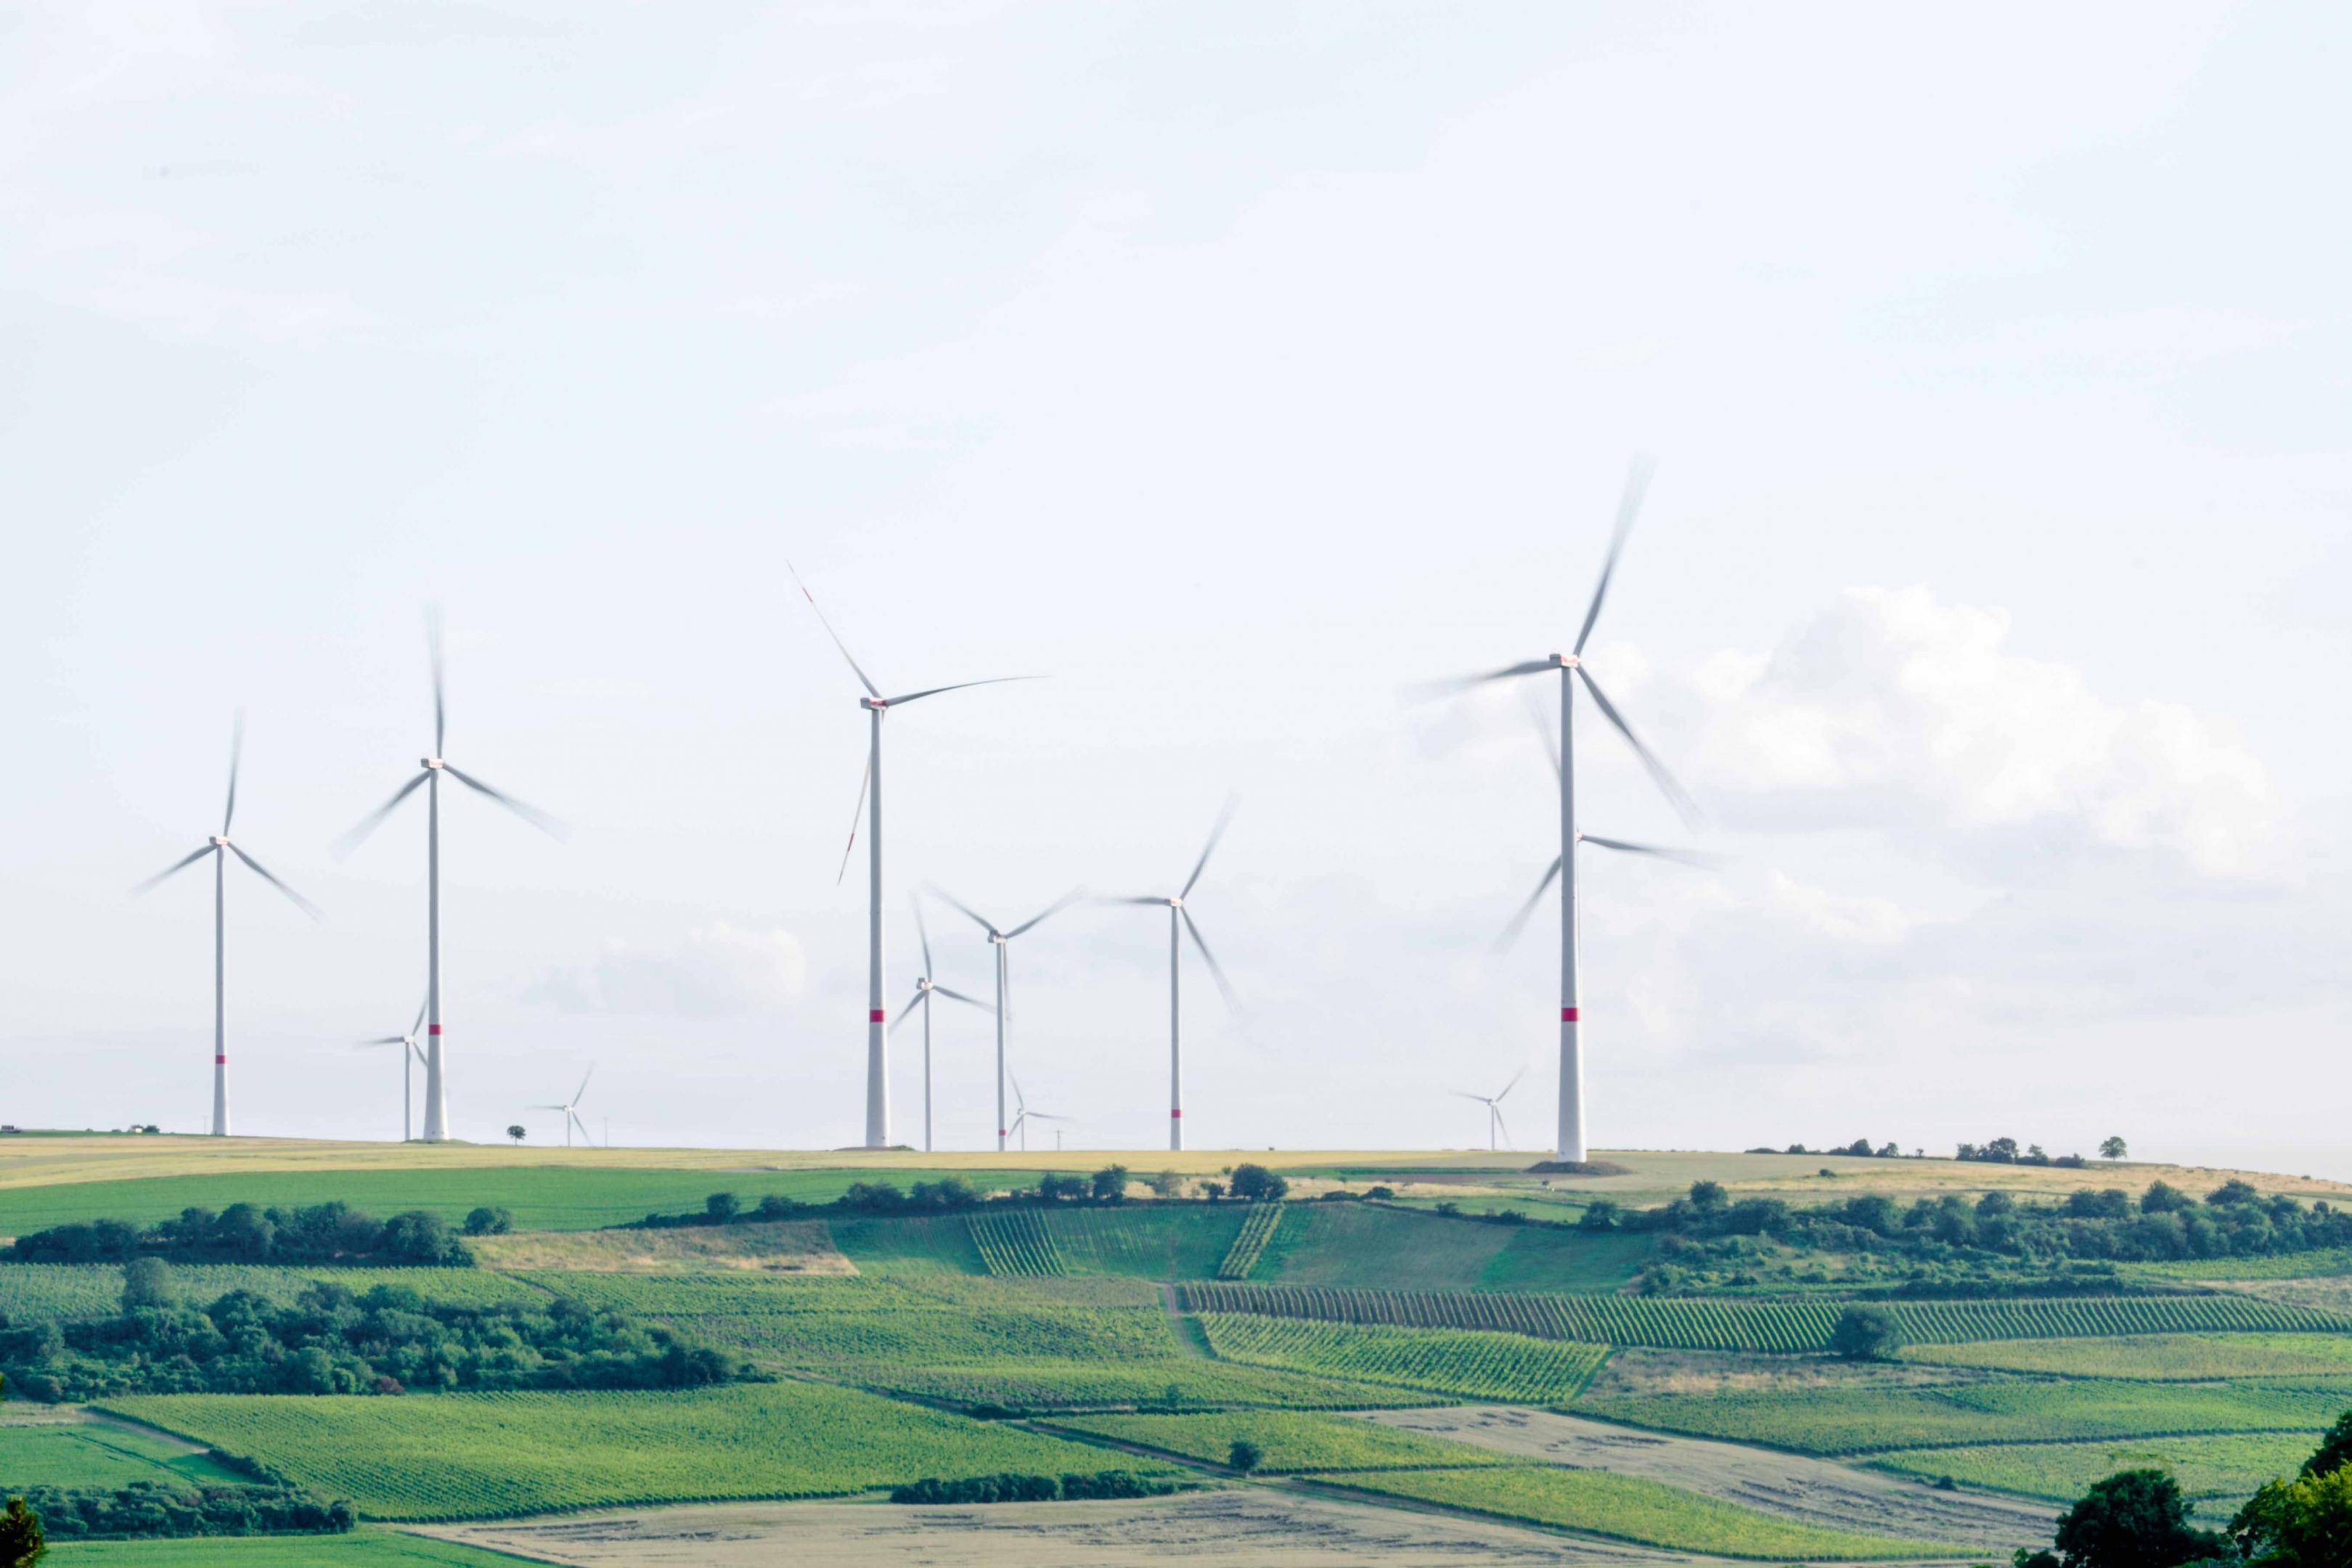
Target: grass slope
point(1634, 1508)
point(1442, 1361)
point(360, 1549)
point(2162, 1358)
point(63, 1448)
point(485, 1456)
point(1292, 1442)
point(1376, 1246)
point(2229, 1466)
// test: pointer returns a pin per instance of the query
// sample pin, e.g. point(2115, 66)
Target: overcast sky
point(1237, 366)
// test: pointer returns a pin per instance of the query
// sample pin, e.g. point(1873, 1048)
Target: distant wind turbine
point(1494, 1104)
point(1024, 1116)
point(869, 789)
point(409, 1057)
point(924, 988)
point(1571, 668)
point(1178, 916)
point(429, 772)
point(1000, 940)
point(219, 847)
point(571, 1109)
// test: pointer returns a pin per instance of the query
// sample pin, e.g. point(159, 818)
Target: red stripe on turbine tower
point(875, 1016)
point(1568, 1015)
point(220, 1061)
point(1175, 1112)
point(434, 1029)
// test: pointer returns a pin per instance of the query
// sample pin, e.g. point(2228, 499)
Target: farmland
point(1631, 1509)
point(2162, 1358)
point(1250, 1241)
point(1179, 1384)
point(1016, 1243)
point(476, 1457)
point(1442, 1361)
point(1292, 1442)
point(74, 1450)
point(2225, 1466)
point(362, 1549)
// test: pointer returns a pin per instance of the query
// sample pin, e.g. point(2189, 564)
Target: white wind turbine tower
point(1572, 670)
point(571, 1109)
point(869, 790)
point(219, 847)
point(428, 774)
point(410, 1057)
point(924, 988)
point(1000, 941)
point(1023, 1116)
point(1494, 1104)
point(1178, 916)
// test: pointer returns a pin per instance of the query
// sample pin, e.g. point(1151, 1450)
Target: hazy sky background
point(1237, 366)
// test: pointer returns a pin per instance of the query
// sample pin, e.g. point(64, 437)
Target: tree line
point(247, 1233)
point(953, 1194)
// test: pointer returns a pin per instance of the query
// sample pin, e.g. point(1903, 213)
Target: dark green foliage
point(1245, 1456)
point(1380, 1192)
point(2335, 1449)
point(1865, 1333)
point(720, 1207)
point(2303, 1523)
point(1707, 1197)
point(147, 1282)
point(1109, 1183)
point(2136, 1519)
point(21, 1542)
point(154, 1508)
point(322, 1233)
point(488, 1221)
point(1600, 1214)
point(1255, 1184)
point(1054, 1187)
point(332, 1341)
point(1032, 1488)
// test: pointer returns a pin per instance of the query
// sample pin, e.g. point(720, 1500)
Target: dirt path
point(1813, 1490)
point(1244, 1527)
point(1186, 1331)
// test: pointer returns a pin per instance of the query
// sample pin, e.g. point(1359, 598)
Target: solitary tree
point(1110, 1183)
point(1167, 1184)
point(488, 1221)
point(2136, 1519)
point(515, 1132)
point(720, 1207)
point(2112, 1148)
point(1865, 1333)
point(147, 1282)
point(1244, 1455)
point(1255, 1184)
point(1707, 1196)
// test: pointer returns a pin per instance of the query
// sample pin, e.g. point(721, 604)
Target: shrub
point(488, 1221)
point(1255, 1184)
point(2136, 1519)
point(1245, 1456)
point(1865, 1333)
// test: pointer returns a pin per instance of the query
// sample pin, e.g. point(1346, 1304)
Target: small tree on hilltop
point(516, 1131)
point(2112, 1148)
point(720, 1207)
point(21, 1545)
point(2136, 1519)
point(1212, 1191)
point(1245, 1456)
point(488, 1221)
point(1110, 1183)
point(1255, 1184)
point(1167, 1184)
point(1708, 1196)
point(1865, 1333)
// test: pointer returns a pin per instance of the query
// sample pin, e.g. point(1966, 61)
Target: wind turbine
point(1178, 916)
point(428, 774)
point(924, 988)
point(1572, 670)
point(219, 847)
point(1024, 1116)
point(413, 1054)
point(1494, 1104)
point(1000, 939)
point(571, 1109)
point(877, 1050)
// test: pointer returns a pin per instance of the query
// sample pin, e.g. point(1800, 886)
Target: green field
point(1362, 1244)
point(1015, 1244)
point(1250, 1241)
point(1182, 1383)
point(1292, 1441)
point(543, 1197)
point(1857, 1420)
point(1149, 1241)
point(2163, 1358)
point(1442, 1361)
point(1634, 1508)
point(486, 1455)
point(63, 1449)
point(360, 1549)
point(2226, 1467)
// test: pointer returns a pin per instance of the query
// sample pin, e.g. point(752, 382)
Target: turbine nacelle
point(218, 842)
point(434, 763)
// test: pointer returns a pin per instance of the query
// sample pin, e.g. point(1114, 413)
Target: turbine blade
point(179, 865)
point(855, 816)
point(871, 689)
point(904, 1012)
point(950, 898)
point(1146, 898)
point(1496, 1112)
point(236, 753)
point(1465, 1094)
point(957, 995)
point(1542, 721)
point(262, 871)
point(1676, 797)
point(1224, 820)
point(922, 933)
point(1510, 1086)
point(1519, 921)
point(368, 823)
point(1454, 685)
point(413, 1028)
point(582, 1092)
point(1682, 857)
point(1217, 970)
point(958, 686)
point(530, 813)
point(433, 652)
point(1629, 507)
point(383, 1041)
point(1056, 908)
point(1015, 1079)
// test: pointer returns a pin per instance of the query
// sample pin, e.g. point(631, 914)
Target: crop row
point(1677, 1323)
point(1016, 1243)
point(1250, 1241)
point(1179, 1382)
point(1468, 1362)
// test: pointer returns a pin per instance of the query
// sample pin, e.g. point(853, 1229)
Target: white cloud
point(717, 972)
point(1893, 709)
